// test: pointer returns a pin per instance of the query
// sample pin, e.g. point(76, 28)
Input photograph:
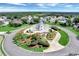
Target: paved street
point(13, 50)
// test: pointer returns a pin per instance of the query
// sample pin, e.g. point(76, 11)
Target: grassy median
point(64, 38)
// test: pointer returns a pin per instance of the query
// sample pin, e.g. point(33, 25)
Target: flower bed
point(35, 42)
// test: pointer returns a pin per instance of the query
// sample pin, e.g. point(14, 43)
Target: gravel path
point(13, 50)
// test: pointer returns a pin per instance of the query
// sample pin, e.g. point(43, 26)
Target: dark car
point(54, 28)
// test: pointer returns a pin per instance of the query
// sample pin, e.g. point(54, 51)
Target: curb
point(2, 48)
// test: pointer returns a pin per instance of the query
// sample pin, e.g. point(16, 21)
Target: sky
point(39, 7)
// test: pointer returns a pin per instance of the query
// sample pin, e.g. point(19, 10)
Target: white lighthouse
point(40, 25)
point(30, 19)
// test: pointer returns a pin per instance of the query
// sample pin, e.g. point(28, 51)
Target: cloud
point(77, 7)
point(42, 5)
point(1, 7)
point(12, 10)
point(53, 4)
point(6, 7)
point(20, 4)
point(55, 7)
point(68, 6)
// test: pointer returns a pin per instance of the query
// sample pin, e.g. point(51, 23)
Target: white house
point(62, 19)
point(52, 19)
point(4, 21)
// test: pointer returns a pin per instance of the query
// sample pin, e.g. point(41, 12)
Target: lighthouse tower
point(30, 19)
point(40, 25)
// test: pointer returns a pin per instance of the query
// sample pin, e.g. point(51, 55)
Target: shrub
point(8, 32)
point(24, 36)
point(24, 21)
point(36, 20)
point(43, 42)
point(28, 43)
point(51, 35)
point(63, 24)
point(56, 21)
point(33, 43)
point(17, 37)
point(21, 36)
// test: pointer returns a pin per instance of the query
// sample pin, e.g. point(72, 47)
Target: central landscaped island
point(41, 38)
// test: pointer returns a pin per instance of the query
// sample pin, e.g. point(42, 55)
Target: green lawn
point(1, 38)
point(9, 28)
point(34, 49)
point(30, 49)
point(64, 38)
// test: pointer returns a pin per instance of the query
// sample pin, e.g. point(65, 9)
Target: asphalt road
point(13, 50)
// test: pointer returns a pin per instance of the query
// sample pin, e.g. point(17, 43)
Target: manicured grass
point(30, 49)
point(64, 38)
point(9, 28)
point(34, 49)
point(1, 38)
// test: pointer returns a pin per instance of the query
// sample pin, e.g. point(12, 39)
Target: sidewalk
point(1, 33)
point(54, 45)
point(1, 38)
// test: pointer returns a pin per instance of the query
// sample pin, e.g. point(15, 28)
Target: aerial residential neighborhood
point(39, 33)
